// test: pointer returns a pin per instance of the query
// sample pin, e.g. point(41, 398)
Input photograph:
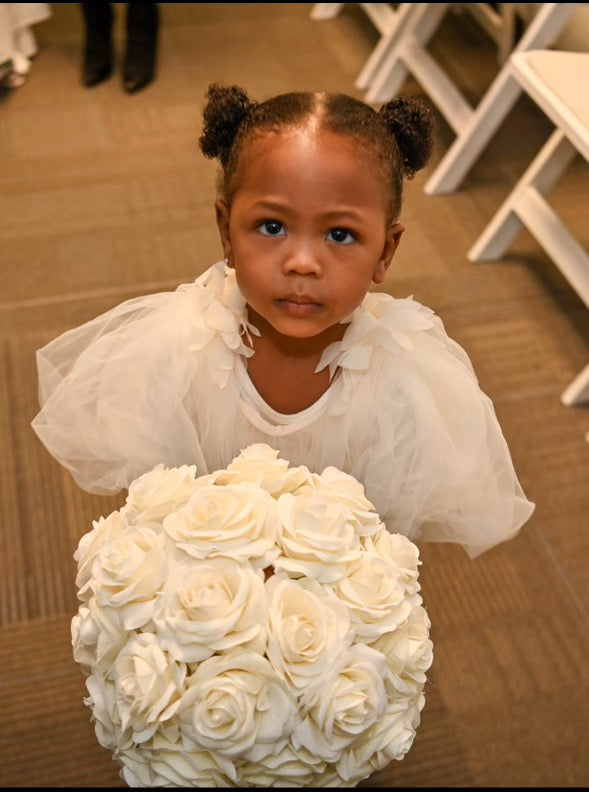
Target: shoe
point(142, 41)
point(98, 54)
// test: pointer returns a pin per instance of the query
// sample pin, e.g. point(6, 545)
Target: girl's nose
point(302, 260)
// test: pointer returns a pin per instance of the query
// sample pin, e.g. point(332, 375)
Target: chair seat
point(554, 80)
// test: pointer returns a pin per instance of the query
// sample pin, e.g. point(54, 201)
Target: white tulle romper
point(163, 378)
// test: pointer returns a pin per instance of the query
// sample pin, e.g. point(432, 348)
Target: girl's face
point(307, 230)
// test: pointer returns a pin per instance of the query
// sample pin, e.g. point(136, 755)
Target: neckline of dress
point(265, 417)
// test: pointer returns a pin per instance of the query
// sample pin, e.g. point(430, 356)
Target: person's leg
point(97, 58)
point(142, 42)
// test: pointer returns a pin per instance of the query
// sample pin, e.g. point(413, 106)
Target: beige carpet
point(105, 196)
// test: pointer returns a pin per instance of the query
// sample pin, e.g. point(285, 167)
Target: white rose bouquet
point(257, 626)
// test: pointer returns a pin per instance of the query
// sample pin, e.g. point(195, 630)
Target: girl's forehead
point(307, 140)
point(310, 166)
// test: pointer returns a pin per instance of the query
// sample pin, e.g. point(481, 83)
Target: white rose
point(149, 683)
point(349, 491)
point(331, 778)
point(107, 722)
point(401, 552)
point(409, 651)
point(259, 464)
point(308, 630)
point(211, 606)
point(237, 706)
point(163, 763)
point(373, 595)
point(128, 573)
point(349, 701)
point(159, 492)
point(84, 653)
point(237, 520)
point(97, 637)
point(136, 770)
point(105, 530)
point(389, 738)
point(288, 767)
point(318, 537)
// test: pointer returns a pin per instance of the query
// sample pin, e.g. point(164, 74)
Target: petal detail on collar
point(380, 320)
point(220, 321)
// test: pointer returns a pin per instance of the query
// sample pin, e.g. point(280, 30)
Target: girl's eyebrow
point(354, 214)
point(271, 205)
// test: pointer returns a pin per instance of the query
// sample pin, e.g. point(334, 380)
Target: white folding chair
point(499, 23)
point(404, 50)
point(498, 20)
point(479, 124)
point(557, 82)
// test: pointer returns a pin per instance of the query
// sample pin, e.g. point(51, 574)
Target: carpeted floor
point(105, 196)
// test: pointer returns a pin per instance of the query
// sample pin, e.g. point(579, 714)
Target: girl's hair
point(400, 134)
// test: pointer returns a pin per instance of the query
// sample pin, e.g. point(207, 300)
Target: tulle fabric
point(163, 378)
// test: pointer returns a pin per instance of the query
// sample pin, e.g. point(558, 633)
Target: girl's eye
point(341, 236)
point(272, 228)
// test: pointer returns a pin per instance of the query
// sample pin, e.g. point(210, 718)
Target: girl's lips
point(299, 305)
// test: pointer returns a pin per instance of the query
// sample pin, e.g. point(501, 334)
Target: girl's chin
point(296, 321)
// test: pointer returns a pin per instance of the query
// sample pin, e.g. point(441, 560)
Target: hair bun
point(411, 122)
point(227, 106)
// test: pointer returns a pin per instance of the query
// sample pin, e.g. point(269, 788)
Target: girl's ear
point(393, 238)
point(222, 217)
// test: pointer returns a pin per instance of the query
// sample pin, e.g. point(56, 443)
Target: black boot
point(97, 64)
point(142, 41)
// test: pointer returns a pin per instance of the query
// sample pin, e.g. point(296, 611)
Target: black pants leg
point(97, 58)
point(142, 41)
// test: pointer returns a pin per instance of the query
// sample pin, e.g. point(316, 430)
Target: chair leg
point(326, 10)
point(384, 18)
point(498, 19)
point(578, 391)
point(418, 20)
point(441, 90)
point(545, 170)
point(377, 57)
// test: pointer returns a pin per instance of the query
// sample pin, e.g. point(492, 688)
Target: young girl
point(283, 342)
